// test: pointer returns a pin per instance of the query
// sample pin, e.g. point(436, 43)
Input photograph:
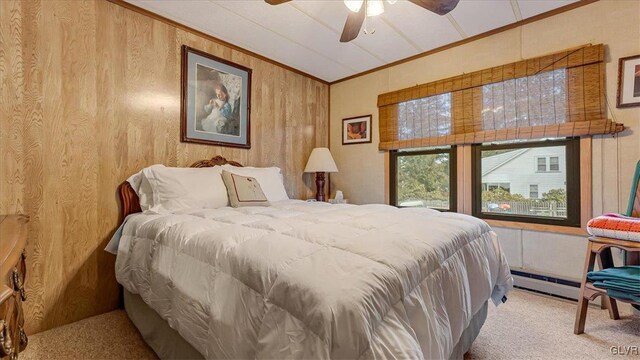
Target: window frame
point(551, 163)
point(453, 180)
point(546, 169)
point(572, 164)
point(496, 185)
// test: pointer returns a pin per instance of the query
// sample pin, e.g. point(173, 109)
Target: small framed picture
point(629, 81)
point(356, 130)
point(216, 94)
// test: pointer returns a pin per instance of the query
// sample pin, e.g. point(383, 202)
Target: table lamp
point(320, 161)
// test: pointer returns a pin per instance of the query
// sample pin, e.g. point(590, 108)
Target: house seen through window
point(508, 187)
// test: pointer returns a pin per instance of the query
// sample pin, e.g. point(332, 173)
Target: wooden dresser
point(13, 239)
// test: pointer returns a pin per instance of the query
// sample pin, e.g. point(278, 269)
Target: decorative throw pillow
point(615, 226)
point(243, 190)
point(270, 179)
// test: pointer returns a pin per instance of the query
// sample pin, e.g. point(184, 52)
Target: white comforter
point(313, 280)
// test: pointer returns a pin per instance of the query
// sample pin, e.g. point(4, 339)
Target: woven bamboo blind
point(558, 95)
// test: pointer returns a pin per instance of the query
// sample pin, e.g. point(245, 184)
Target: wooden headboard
point(131, 203)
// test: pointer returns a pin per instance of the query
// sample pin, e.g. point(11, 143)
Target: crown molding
point(483, 35)
point(180, 26)
point(514, 25)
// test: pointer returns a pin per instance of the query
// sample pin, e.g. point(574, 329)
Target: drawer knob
point(6, 347)
point(18, 285)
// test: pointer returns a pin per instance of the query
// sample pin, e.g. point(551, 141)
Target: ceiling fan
point(360, 9)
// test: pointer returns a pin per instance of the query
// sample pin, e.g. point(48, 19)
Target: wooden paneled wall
point(90, 95)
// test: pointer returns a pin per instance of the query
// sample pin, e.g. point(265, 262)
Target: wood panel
point(468, 180)
point(586, 183)
point(537, 227)
point(90, 95)
point(461, 176)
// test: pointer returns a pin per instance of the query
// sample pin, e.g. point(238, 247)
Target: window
point(426, 117)
point(424, 178)
point(542, 161)
point(539, 99)
point(494, 186)
point(556, 95)
point(553, 199)
point(542, 164)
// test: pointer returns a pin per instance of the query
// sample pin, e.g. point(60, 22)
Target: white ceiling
point(304, 34)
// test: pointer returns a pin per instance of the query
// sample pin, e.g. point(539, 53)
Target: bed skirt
point(168, 344)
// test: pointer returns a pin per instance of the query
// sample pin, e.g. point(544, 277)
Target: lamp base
point(320, 186)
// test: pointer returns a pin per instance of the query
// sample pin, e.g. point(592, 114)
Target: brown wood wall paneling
point(90, 95)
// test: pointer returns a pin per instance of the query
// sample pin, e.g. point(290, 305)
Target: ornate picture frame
point(628, 81)
point(356, 130)
point(216, 100)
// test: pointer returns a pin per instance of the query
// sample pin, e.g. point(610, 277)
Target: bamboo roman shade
point(558, 95)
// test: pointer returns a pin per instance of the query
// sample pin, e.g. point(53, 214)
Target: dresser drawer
point(13, 339)
point(13, 268)
point(9, 327)
point(18, 277)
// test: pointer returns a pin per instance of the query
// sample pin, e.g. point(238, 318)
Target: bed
point(307, 280)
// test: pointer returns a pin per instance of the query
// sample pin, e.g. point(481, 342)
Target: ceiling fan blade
point(353, 25)
point(440, 7)
point(276, 2)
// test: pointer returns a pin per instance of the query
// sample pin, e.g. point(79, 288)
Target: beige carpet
point(532, 326)
point(528, 326)
point(106, 336)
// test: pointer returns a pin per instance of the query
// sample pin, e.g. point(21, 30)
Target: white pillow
point(176, 188)
point(269, 178)
point(142, 188)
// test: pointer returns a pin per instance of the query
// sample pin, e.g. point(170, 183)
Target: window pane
point(494, 186)
point(426, 117)
point(554, 163)
point(539, 99)
point(424, 180)
point(506, 182)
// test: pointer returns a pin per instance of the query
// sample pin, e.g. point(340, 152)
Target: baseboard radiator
point(545, 284)
point(552, 286)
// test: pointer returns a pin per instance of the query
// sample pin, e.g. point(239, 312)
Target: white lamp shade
point(320, 160)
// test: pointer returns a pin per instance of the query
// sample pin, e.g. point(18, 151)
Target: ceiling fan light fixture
point(391, 2)
point(354, 5)
point(375, 7)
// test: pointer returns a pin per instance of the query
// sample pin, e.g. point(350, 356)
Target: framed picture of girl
point(216, 97)
point(629, 81)
point(356, 130)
